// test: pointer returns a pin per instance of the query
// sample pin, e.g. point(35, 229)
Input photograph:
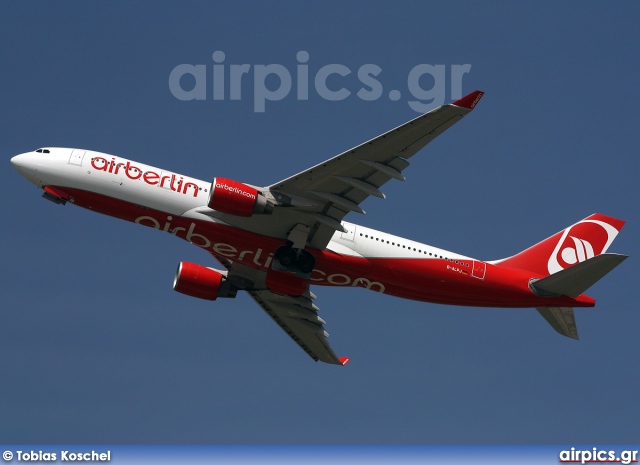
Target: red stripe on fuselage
point(428, 280)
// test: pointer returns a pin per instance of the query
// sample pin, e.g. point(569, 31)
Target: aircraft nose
point(15, 161)
point(26, 166)
point(21, 162)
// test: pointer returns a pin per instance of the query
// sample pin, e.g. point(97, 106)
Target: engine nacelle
point(201, 282)
point(235, 198)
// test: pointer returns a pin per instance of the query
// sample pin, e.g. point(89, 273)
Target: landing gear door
point(350, 232)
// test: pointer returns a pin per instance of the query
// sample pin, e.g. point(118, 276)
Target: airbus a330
point(275, 241)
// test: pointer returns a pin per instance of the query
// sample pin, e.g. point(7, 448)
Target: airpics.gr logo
point(574, 247)
point(424, 87)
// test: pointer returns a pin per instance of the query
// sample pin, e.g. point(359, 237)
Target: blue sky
point(95, 347)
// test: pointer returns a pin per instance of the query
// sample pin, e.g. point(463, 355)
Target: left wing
point(321, 196)
point(341, 183)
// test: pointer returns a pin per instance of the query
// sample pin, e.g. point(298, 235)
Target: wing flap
point(402, 142)
point(298, 317)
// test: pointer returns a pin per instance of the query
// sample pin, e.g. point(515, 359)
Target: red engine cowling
point(197, 281)
point(235, 198)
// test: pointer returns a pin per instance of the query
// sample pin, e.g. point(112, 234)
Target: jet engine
point(201, 282)
point(235, 198)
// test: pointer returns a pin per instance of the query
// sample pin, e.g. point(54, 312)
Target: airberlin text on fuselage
point(252, 257)
point(150, 177)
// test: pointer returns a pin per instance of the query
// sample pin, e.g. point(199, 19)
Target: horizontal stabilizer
point(562, 320)
point(577, 279)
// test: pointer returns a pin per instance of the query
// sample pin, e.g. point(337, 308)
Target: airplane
point(275, 241)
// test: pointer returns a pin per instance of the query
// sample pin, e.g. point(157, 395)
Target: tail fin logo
point(583, 251)
point(580, 242)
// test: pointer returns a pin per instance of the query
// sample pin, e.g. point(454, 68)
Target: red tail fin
point(575, 244)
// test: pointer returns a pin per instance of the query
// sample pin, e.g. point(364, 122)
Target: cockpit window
point(43, 151)
point(39, 150)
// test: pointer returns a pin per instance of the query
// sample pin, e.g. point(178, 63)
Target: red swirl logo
point(581, 242)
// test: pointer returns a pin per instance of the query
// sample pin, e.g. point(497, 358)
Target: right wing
point(298, 317)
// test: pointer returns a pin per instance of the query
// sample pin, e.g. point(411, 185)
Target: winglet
point(344, 360)
point(469, 101)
